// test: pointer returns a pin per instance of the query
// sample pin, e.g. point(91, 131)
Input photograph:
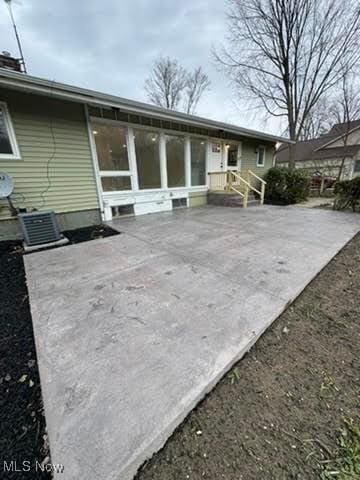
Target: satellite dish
point(6, 185)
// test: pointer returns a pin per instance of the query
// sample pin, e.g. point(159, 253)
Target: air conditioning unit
point(39, 228)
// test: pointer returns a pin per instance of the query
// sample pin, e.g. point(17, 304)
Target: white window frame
point(132, 172)
point(11, 132)
point(356, 161)
point(260, 165)
point(228, 144)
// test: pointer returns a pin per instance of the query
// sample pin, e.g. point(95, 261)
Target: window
point(114, 184)
point(198, 161)
point(111, 147)
point(147, 158)
point(8, 146)
point(260, 156)
point(175, 160)
point(216, 147)
point(357, 166)
point(232, 155)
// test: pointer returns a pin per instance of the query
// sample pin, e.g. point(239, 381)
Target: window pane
point(175, 158)
point(233, 155)
point(5, 145)
point(216, 147)
point(198, 161)
point(111, 147)
point(111, 184)
point(147, 159)
point(357, 166)
point(261, 155)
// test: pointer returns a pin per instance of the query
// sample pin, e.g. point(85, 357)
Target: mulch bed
point(278, 413)
point(22, 423)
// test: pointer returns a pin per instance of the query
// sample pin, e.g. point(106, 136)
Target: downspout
point(95, 164)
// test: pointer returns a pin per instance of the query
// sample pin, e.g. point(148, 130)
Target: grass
point(345, 464)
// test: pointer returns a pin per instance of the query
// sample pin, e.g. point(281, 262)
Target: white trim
point(95, 162)
point(226, 154)
point(130, 138)
point(260, 165)
point(207, 162)
point(163, 161)
point(115, 173)
point(187, 150)
point(148, 192)
point(12, 137)
point(240, 155)
point(355, 160)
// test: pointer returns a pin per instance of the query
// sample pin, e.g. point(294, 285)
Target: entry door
point(217, 157)
point(232, 156)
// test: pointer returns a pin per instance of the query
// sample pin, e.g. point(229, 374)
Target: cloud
point(110, 46)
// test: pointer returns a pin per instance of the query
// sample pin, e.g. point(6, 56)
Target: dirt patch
point(278, 413)
point(89, 233)
point(22, 423)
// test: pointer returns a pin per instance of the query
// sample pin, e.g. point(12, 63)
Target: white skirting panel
point(150, 201)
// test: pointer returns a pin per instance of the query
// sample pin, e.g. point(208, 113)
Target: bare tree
point(343, 107)
point(289, 53)
point(317, 122)
point(166, 83)
point(197, 83)
point(169, 84)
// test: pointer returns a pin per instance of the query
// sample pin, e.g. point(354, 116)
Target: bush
point(348, 194)
point(285, 186)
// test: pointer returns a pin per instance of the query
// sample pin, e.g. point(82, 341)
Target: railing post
point(322, 185)
point(229, 181)
point(262, 193)
point(246, 196)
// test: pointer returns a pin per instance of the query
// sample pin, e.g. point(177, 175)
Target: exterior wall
point(249, 157)
point(197, 199)
point(55, 171)
point(326, 167)
point(352, 139)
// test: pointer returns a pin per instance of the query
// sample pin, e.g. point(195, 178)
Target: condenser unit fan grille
point(39, 227)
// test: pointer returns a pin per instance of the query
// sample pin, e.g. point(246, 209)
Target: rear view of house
point(90, 157)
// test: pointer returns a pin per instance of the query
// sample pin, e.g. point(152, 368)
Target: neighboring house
point(90, 156)
point(326, 154)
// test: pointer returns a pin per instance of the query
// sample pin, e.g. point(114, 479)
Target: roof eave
point(21, 81)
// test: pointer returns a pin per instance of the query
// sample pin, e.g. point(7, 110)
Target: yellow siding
point(62, 167)
point(197, 199)
point(248, 160)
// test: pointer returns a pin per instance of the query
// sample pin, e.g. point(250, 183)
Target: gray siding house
point(338, 149)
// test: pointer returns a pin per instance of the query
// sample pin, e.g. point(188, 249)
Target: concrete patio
point(133, 330)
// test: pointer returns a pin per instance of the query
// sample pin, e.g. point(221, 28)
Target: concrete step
point(228, 199)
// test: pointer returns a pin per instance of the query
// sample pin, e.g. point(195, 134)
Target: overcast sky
point(110, 46)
